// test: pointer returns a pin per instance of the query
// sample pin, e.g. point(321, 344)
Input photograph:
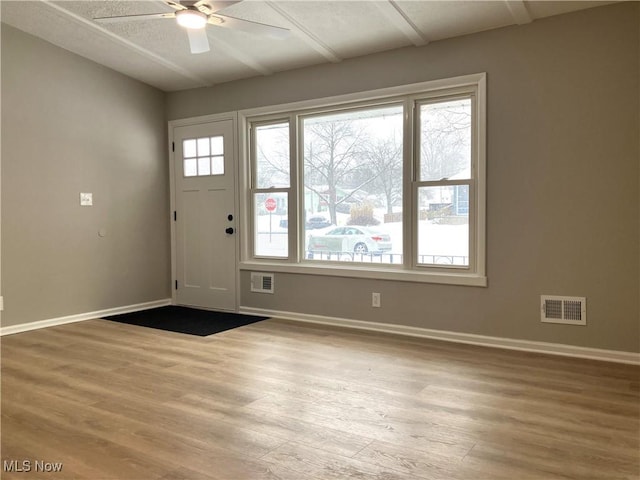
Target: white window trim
point(420, 274)
point(291, 206)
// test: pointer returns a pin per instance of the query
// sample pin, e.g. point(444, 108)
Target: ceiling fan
point(194, 16)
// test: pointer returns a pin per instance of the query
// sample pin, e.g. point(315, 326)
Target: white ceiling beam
point(519, 12)
point(132, 46)
point(233, 52)
point(305, 34)
point(392, 11)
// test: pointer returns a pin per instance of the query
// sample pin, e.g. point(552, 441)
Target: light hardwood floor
point(279, 400)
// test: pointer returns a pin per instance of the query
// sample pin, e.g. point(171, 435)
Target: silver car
point(350, 239)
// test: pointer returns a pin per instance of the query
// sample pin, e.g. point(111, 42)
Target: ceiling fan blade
point(212, 6)
point(248, 26)
point(175, 5)
point(129, 18)
point(198, 41)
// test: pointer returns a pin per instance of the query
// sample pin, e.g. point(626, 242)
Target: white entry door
point(205, 223)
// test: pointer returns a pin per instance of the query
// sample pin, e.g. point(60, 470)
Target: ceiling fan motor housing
point(191, 18)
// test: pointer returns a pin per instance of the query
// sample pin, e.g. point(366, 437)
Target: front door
point(205, 249)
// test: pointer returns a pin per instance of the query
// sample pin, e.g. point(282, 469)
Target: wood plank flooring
point(279, 400)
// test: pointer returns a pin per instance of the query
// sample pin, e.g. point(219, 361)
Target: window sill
point(333, 270)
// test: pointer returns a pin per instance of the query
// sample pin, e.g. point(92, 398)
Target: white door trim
point(185, 122)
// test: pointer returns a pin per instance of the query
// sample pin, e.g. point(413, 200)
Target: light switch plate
point(86, 199)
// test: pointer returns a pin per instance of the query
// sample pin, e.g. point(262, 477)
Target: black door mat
point(186, 320)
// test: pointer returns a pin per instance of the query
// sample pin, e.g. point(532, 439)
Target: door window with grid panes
point(203, 156)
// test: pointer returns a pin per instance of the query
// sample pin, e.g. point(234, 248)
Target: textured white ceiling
point(157, 51)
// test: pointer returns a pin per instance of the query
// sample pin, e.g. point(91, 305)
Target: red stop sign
point(270, 204)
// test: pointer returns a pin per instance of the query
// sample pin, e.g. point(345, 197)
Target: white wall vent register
point(568, 310)
point(262, 282)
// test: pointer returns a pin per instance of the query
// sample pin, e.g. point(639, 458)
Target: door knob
point(229, 230)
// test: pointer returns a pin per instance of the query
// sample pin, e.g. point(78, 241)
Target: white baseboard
point(25, 327)
point(482, 340)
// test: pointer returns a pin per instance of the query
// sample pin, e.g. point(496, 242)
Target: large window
point(353, 185)
point(388, 184)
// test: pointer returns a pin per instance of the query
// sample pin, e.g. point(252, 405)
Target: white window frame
point(253, 189)
point(416, 183)
point(411, 96)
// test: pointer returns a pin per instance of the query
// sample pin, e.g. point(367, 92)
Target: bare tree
point(333, 154)
point(445, 139)
point(384, 158)
point(272, 155)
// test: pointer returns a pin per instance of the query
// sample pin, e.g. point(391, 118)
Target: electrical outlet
point(86, 199)
point(375, 300)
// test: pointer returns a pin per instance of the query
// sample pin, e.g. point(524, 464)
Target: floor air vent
point(568, 310)
point(262, 282)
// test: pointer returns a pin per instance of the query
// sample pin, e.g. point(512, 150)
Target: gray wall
point(71, 126)
point(563, 178)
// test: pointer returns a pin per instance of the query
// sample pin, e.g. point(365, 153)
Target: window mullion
point(294, 198)
point(410, 164)
point(270, 190)
point(444, 182)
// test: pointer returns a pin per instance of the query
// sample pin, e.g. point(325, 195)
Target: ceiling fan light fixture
point(193, 19)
